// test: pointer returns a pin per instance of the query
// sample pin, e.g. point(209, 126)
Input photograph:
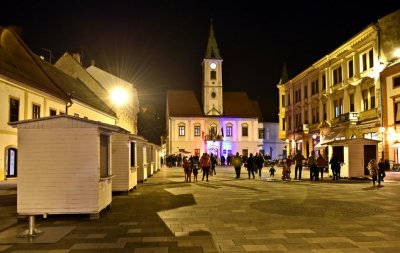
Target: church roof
point(284, 76)
point(238, 104)
point(212, 47)
point(184, 103)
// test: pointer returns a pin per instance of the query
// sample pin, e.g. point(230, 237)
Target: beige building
point(335, 105)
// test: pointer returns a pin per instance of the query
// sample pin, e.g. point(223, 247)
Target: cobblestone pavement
point(165, 214)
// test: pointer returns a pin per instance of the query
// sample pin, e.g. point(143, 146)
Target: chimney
point(77, 57)
point(92, 62)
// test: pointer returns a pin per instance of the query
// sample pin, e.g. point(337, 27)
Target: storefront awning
point(332, 136)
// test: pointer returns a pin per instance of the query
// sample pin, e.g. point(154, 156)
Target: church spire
point(284, 76)
point(212, 47)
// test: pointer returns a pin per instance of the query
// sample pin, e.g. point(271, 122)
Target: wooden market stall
point(64, 165)
point(354, 155)
point(141, 160)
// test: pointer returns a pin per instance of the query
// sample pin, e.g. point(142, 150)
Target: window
point(315, 117)
point(104, 155)
point(288, 97)
point(352, 103)
point(213, 129)
point(371, 136)
point(35, 111)
point(305, 91)
point(213, 74)
point(323, 82)
point(53, 112)
point(367, 60)
point(196, 130)
point(229, 130)
point(245, 152)
point(306, 116)
point(133, 148)
point(261, 133)
point(283, 124)
point(283, 100)
point(181, 130)
point(397, 112)
point(396, 81)
point(338, 107)
point(14, 109)
point(365, 99)
point(372, 96)
point(314, 87)
point(245, 130)
point(351, 68)
point(337, 75)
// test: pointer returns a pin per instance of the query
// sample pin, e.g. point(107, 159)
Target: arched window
point(196, 130)
point(229, 130)
point(181, 129)
point(245, 129)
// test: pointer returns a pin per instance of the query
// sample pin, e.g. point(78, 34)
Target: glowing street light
point(119, 96)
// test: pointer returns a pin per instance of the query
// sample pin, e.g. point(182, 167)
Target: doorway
point(11, 162)
point(369, 154)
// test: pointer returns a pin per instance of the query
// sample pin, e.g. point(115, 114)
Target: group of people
point(254, 164)
point(206, 163)
point(377, 171)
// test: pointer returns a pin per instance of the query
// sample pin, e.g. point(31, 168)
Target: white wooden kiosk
point(356, 155)
point(125, 162)
point(141, 160)
point(150, 159)
point(64, 166)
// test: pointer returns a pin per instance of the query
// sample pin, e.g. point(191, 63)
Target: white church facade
point(223, 123)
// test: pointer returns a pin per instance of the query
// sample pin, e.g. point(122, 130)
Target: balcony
point(368, 115)
point(213, 137)
point(350, 117)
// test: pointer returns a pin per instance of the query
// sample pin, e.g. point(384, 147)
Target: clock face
point(213, 94)
point(213, 65)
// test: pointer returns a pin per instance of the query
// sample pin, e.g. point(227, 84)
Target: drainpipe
point(69, 103)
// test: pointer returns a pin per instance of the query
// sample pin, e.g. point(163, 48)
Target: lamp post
point(382, 130)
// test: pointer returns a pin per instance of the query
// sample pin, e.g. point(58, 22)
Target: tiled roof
point(19, 63)
point(184, 103)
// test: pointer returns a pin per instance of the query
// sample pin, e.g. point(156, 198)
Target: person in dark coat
point(251, 165)
point(259, 163)
point(335, 166)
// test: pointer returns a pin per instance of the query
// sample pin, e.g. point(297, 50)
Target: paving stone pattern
point(167, 215)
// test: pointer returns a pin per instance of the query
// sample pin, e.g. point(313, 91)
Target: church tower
point(212, 78)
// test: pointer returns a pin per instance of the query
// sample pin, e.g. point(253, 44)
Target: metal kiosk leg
point(31, 231)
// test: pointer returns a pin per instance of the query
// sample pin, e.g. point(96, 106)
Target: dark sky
point(159, 45)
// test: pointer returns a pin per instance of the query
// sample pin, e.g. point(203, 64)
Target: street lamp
point(382, 130)
point(119, 97)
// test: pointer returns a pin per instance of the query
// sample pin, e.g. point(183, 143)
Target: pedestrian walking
point(373, 171)
point(321, 164)
point(298, 158)
point(259, 163)
point(312, 165)
point(251, 165)
point(381, 171)
point(272, 171)
point(205, 164)
point(335, 166)
point(237, 164)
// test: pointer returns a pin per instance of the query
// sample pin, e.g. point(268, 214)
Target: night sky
point(159, 45)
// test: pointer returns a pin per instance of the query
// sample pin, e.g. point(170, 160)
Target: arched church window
point(245, 129)
point(181, 129)
point(229, 129)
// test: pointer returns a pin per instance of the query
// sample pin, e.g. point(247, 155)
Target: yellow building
point(31, 88)
point(334, 105)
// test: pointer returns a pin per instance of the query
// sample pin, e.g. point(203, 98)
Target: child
point(373, 170)
point(272, 171)
point(195, 171)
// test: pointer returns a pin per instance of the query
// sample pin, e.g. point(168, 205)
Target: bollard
point(31, 231)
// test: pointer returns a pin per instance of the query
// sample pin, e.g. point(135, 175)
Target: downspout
point(69, 103)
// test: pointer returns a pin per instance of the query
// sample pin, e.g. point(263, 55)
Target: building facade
point(222, 124)
point(339, 98)
point(31, 88)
